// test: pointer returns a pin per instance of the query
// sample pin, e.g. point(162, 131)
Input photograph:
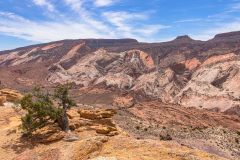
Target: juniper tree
point(61, 94)
point(42, 109)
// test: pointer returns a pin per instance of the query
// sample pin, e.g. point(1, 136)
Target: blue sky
point(25, 22)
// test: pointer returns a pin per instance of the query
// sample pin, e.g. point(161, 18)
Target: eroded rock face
point(84, 71)
point(98, 120)
point(183, 71)
point(9, 95)
point(103, 68)
point(96, 113)
point(215, 86)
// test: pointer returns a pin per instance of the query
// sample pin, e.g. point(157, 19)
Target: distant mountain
point(182, 71)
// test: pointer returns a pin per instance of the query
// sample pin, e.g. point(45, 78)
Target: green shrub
point(41, 109)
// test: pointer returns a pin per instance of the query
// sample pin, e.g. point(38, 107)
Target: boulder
point(48, 134)
point(11, 95)
point(73, 113)
point(94, 119)
point(96, 114)
point(105, 129)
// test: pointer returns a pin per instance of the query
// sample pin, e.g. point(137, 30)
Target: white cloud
point(125, 23)
point(44, 31)
point(13, 25)
point(87, 24)
point(118, 18)
point(103, 3)
point(45, 3)
point(114, 23)
point(121, 19)
point(76, 5)
point(85, 16)
point(149, 30)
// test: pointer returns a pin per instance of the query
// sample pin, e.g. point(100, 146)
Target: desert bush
point(43, 108)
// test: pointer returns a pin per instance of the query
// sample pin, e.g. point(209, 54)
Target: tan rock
point(3, 99)
point(73, 113)
point(96, 114)
point(105, 121)
point(11, 95)
point(77, 123)
point(105, 129)
point(48, 134)
point(85, 148)
point(127, 148)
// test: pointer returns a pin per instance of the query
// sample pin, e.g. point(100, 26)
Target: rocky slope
point(89, 140)
point(183, 71)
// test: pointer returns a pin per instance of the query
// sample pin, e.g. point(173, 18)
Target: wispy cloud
point(79, 22)
point(13, 25)
point(188, 20)
point(45, 3)
point(76, 5)
point(44, 31)
point(235, 7)
point(123, 21)
point(103, 3)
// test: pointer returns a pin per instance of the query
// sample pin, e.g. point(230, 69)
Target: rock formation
point(183, 71)
point(9, 95)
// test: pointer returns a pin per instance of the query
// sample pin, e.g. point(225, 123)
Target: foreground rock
point(9, 95)
point(89, 146)
point(127, 148)
point(99, 120)
point(47, 135)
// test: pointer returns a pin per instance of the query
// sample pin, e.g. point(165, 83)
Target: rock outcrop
point(9, 95)
point(98, 120)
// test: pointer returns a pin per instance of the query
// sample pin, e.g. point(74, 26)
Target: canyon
point(183, 94)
